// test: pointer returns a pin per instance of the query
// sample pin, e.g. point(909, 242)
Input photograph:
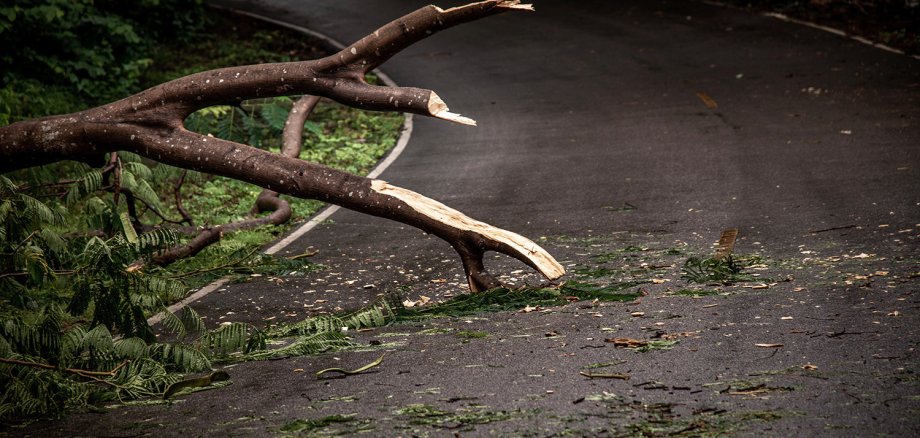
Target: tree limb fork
point(150, 124)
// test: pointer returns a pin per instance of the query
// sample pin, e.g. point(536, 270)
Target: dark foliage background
point(100, 48)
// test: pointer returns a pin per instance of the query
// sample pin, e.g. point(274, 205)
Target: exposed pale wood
point(539, 258)
point(509, 4)
point(150, 124)
point(439, 109)
point(726, 243)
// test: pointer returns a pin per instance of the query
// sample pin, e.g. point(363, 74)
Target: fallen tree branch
point(268, 200)
point(150, 124)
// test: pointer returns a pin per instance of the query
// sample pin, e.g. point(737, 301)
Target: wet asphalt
point(616, 134)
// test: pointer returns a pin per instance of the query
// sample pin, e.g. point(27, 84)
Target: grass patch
point(329, 425)
point(461, 419)
point(654, 345)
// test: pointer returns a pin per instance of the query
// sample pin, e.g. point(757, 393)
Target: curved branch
point(339, 77)
point(267, 200)
point(302, 179)
point(373, 50)
point(150, 124)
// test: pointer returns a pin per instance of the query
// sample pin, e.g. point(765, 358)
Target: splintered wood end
point(504, 4)
point(516, 5)
point(437, 108)
point(436, 211)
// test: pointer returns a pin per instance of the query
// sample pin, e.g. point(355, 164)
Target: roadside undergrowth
point(74, 294)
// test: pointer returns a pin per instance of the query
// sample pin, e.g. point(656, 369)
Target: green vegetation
point(594, 366)
point(74, 291)
point(630, 417)
point(658, 344)
point(714, 271)
point(335, 425)
point(503, 299)
point(51, 364)
point(706, 424)
point(70, 54)
point(462, 419)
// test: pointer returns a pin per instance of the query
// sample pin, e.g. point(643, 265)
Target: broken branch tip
point(518, 6)
point(437, 108)
point(456, 118)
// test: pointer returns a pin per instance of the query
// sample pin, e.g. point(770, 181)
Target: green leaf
point(275, 115)
point(130, 233)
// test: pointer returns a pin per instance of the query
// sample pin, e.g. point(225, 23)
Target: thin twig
point(24, 241)
point(177, 193)
point(845, 227)
point(117, 173)
point(20, 274)
point(215, 268)
point(79, 372)
point(305, 254)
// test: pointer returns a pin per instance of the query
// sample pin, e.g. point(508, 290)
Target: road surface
point(633, 132)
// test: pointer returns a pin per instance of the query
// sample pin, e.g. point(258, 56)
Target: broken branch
point(150, 124)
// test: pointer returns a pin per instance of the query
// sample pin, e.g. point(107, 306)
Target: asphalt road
point(603, 126)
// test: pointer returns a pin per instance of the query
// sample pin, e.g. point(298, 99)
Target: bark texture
point(150, 124)
point(268, 200)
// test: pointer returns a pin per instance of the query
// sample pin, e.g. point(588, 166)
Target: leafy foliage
point(97, 47)
point(325, 333)
point(713, 271)
point(503, 299)
point(73, 295)
point(49, 366)
point(376, 314)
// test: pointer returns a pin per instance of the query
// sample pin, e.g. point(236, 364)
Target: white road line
point(838, 32)
point(404, 136)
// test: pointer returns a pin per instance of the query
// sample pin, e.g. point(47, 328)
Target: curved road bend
point(702, 118)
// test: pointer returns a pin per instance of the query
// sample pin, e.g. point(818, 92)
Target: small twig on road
point(845, 227)
point(355, 371)
point(604, 375)
point(845, 332)
point(305, 254)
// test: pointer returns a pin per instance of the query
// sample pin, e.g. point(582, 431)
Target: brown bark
point(268, 200)
point(150, 124)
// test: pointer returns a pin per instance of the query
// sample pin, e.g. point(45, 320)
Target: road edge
point(323, 214)
point(828, 29)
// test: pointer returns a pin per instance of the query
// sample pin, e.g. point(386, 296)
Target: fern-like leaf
point(87, 184)
point(274, 115)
